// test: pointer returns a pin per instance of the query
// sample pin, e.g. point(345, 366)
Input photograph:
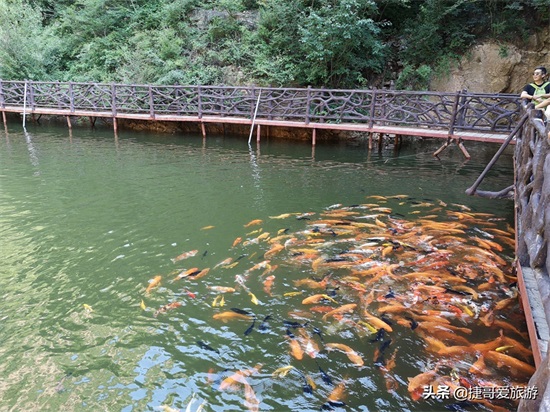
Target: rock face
point(497, 67)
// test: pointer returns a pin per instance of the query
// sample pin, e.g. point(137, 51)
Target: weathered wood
point(472, 190)
point(393, 108)
point(532, 194)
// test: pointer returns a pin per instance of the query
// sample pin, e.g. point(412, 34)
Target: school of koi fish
point(440, 271)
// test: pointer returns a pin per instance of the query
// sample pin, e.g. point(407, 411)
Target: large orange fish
point(351, 354)
point(238, 377)
point(350, 307)
point(376, 322)
point(268, 284)
point(187, 273)
point(230, 315)
point(153, 284)
point(185, 255)
point(295, 349)
point(254, 222)
point(166, 308)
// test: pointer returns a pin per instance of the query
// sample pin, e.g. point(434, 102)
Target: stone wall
point(497, 67)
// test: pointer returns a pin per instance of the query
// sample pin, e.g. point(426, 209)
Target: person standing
point(538, 91)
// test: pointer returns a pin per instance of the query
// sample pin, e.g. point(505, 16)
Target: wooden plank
point(397, 130)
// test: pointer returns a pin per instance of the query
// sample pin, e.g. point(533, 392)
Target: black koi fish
point(294, 325)
point(326, 378)
point(242, 312)
point(331, 405)
point(264, 325)
point(250, 328)
point(207, 347)
point(379, 335)
point(414, 323)
point(317, 331)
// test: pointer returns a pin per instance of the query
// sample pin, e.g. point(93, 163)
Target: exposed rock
point(497, 67)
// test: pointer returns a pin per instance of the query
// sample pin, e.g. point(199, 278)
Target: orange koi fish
point(224, 262)
point(337, 394)
point(419, 382)
point(153, 284)
point(516, 367)
point(351, 354)
point(166, 308)
point(250, 400)
point(275, 248)
point(230, 315)
point(207, 227)
point(317, 298)
point(342, 309)
point(376, 322)
point(222, 289)
point(237, 241)
point(186, 273)
point(268, 284)
point(202, 273)
point(239, 377)
point(185, 255)
point(295, 349)
point(254, 222)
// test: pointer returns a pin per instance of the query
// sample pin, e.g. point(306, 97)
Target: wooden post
point(464, 151)
point(113, 109)
point(151, 103)
point(308, 101)
point(380, 141)
point(370, 141)
point(258, 127)
point(31, 98)
point(199, 103)
point(447, 143)
point(454, 114)
point(2, 100)
point(113, 101)
point(69, 122)
point(372, 108)
point(71, 97)
point(314, 137)
point(203, 130)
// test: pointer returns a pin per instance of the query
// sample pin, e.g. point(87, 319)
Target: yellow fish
point(253, 298)
point(287, 294)
point(282, 372)
point(254, 222)
point(207, 227)
point(88, 307)
point(142, 305)
point(283, 216)
point(503, 348)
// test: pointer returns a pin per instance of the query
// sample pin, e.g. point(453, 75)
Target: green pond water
point(87, 220)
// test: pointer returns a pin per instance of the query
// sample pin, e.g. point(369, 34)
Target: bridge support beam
point(314, 137)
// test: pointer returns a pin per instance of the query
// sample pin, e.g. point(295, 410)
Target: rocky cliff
point(497, 67)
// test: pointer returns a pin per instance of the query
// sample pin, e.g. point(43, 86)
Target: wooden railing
point(450, 111)
point(532, 195)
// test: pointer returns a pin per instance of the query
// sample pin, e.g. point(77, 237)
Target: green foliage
point(27, 50)
point(324, 43)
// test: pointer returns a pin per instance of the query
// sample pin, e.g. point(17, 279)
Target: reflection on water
point(103, 218)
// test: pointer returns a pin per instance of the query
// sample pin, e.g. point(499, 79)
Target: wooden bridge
point(453, 116)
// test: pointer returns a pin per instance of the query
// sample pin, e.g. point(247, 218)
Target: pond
point(143, 272)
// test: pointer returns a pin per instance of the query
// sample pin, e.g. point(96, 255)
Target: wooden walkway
point(459, 116)
point(489, 137)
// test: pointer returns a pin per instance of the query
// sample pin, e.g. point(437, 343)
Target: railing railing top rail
point(460, 110)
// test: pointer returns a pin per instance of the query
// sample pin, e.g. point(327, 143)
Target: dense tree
point(332, 43)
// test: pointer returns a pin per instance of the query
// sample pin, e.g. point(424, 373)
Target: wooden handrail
point(462, 110)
